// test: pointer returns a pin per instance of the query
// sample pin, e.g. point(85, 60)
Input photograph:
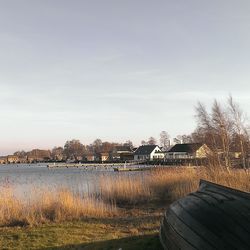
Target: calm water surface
point(25, 178)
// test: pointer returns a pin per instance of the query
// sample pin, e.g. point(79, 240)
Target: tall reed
point(174, 183)
point(167, 184)
point(59, 205)
point(122, 189)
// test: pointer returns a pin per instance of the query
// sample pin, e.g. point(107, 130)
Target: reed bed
point(172, 183)
point(47, 206)
point(122, 189)
point(168, 184)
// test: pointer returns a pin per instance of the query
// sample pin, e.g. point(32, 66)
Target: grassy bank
point(139, 232)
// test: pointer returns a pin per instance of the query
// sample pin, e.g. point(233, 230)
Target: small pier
point(90, 165)
point(137, 168)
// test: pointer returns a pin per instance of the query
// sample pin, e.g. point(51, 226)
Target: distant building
point(79, 158)
point(59, 157)
point(3, 159)
point(12, 159)
point(90, 157)
point(122, 153)
point(31, 159)
point(22, 159)
point(104, 156)
point(149, 153)
point(39, 155)
point(188, 151)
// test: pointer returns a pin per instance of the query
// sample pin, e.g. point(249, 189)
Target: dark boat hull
point(214, 217)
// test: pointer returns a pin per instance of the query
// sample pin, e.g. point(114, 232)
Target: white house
point(149, 153)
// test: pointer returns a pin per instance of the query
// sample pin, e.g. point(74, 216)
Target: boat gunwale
point(206, 184)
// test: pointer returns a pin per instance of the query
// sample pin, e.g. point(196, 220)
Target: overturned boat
point(214, 217)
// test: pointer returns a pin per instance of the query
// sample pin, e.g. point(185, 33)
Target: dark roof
point(134, 149)
point(186, 147)
point(145, 149)
point(123, 148)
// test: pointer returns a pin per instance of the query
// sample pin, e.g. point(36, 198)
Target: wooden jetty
point(89, 165)
point(85, 165)
point(125, 169)
point(214, 217)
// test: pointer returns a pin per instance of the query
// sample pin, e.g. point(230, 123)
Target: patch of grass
point(146, 242)
point(127, 233)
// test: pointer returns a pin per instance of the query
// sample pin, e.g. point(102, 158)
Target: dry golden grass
point(124, 189)
point(168, 184)
point(60, 205)
point(173, 183)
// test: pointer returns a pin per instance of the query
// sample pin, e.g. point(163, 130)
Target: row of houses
point(36, 155)
point(18, 159)
point(178, 151)
point(150, 153)
point(125, 153)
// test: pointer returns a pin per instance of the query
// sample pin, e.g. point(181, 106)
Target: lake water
point(24, 178)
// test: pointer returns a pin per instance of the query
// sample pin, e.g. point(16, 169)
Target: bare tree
point(74, 149)
point(108, 147)
point(224, 131)
point(187, 139)
point(239, 127)
point(179, 139)
point(97, 145)
point(128, 143)
point(151, 141)
point(223, 127)
point(21, 153)
point(205, 133)
point(164, 140)
point(57, 153)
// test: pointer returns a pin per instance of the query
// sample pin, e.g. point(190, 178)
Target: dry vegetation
point(60, 205)
point(168, 184)
point(122, 189)
point(161, 185)
point(176, 183)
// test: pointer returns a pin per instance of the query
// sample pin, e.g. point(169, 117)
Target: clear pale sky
point(114, 69)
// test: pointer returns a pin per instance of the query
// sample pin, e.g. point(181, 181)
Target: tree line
point(223, 128)
point(74, 149)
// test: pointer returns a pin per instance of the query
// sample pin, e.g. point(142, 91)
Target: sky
point(116, 69)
